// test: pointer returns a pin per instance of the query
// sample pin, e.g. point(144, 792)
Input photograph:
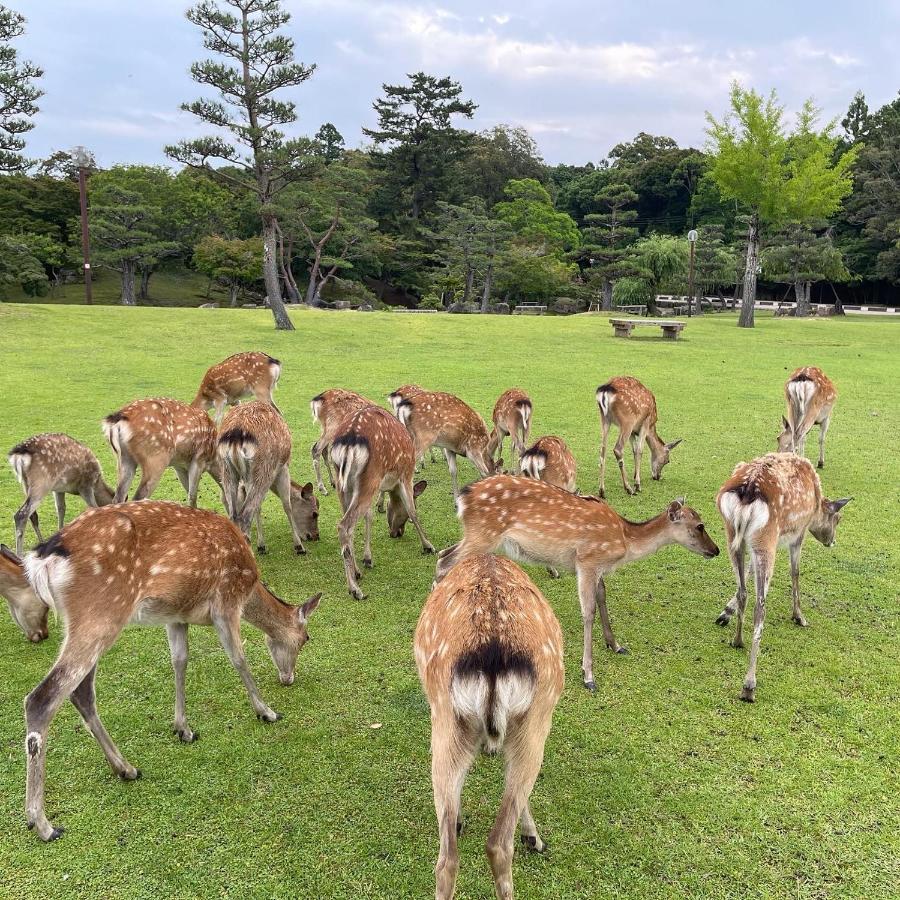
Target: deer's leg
point(60, 498)
point(530, 740)
point(127, 466)
point(320, 452)
point(182, 474)
point(282, 487)
point(409, 501)
point(738, 565)
point(177, 633)
point(451, 465)
point(637, 448)
point(87, 494)
point(587, 597)
point(27, 511)
point(151, 472)
point(604, 428)
point(230, 491)
point(823, 430)
point(367, 528)
point(252, 505)
point(194, 474)
point(219, 406)
point(346, 530)
point(796, 613)
point(608, 636)
point(619, 451)
point(763, 563)
point(260, 536)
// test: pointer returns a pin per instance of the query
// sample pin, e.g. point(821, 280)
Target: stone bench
point(526, 309)
point(404, 309)
point(624, 327)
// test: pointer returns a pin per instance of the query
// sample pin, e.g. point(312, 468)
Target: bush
point(631, 291)
point(565, 306)
point(353, 292)
point(431, 301)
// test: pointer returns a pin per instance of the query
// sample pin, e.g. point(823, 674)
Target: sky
point(580, 76)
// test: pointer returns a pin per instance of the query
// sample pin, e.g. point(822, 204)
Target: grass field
point(662, 784)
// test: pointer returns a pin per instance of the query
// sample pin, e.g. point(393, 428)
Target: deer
point(774, 499)
point(155, 434)
point(372, 452)
point(532, 521)
point(549, 459)
point(149, 563)
point(329, 409)
point(442, 420)
point(626, 403)
point(512, 416)
point(395, 398)
point(242, 375)
point(57, 464)
point(810, 397)
point(254, 450)
point(489, 653)
point(28, 611)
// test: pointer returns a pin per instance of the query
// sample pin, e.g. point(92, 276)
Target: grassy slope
point(661, 784)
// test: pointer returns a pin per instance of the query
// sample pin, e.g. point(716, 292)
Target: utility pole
point(692, 239)
point(83, 160)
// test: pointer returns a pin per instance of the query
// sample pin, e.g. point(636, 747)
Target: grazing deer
point(59, 464)
point(29, 612)
point(155, 434)
point(625, 402)
point(810, 397)
point(255, 454)
point(373, 452)
point(489, 652)
point(397, 397)
point(532, 521)
point(242, 375)
point(775, 499)
point(150, 563)
point(329, 409)
point(549, 459)
point(441, 420)
point(512, 416)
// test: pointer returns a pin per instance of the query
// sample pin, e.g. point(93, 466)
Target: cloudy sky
point(581, 75)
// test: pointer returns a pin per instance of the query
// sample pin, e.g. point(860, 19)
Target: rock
point(462, 308)
point(249, 306)
point(500, 309)
point(209, 306)
point(366, 307)
point(566, 306)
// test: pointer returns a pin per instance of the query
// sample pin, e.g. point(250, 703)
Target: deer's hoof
point(622, 651)
point(460, 827)
point(358, 594)
point(428, 550)
point(186, 736)
point(262, 551)
point(723, 619)
point(269, 716)
point(800, 620)
point(130, 774)
point(748, 696)
point(820, 465)
point(57, 833)
point(591, 685)
point(300, 550)
point(533, 843)
point(367, 563)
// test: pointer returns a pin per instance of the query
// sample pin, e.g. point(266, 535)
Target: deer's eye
point(700, 528)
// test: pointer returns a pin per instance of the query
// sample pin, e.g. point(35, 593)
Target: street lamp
point(83, 159)
point(692, 239)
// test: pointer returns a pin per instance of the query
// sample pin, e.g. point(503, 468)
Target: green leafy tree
point(658, 260)
point(716, 261)
point(329, 143)
point(529, 212)
point(18, 93)
point(526, 274)
point(19, 265)
point(258, 64)
point(235, 263)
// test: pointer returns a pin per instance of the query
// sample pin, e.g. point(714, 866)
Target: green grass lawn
point(662, 784)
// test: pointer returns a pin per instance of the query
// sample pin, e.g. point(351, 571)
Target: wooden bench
point(624, 327)
point(529, 309)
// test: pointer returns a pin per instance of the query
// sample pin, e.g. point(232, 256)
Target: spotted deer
point(549, 459)
point(512, 416)
point(398, 396)
point(436, 419)
point(158, 433)
point(57, 464)
point(255, 453)
point(775, 499)
point(626, 403)
point(372, 452)
point(28, 611)
point(242, 375)
point(489, 653)
point(810, 397)
point(532, 521)
point(329, 409)
point(148, 563)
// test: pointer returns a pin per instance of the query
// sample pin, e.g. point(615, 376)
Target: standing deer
point(489, 653)
point(442, 420)
point(59, 464)
point(255, 454)
point(549, 459)
point(532, 521)
point(149, 563)
point(29, 612)
point(155, 434)
point(810, 397)
point(329, 409)
point(397, 397)
point(373, 452)
point(242, 375)
point(772, 500)
point(625, 402)
point(512, 416)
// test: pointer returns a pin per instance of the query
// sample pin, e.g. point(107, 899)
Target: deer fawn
point(329, 409)
point(255, 453)
point(29, 612)
point(532, 521)
point(772, 500)
point(373, 452)
point(59, 464)
point(442, 420)
point(625, 402)
point(489, 652)
point(549, 459)
point(397, 397)
point(150, 563)
point(810, 398)
point(242, 375)
point(512, 416)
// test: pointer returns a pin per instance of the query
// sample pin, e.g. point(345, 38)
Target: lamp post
point(692, 239)
point(83, 160)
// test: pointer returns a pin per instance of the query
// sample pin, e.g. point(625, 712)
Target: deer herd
point(488, 647)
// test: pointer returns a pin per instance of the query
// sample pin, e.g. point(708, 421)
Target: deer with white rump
point(626, 403)
point(28, 611)
point(329, 409)
point(395, 398)
point(489, 653)
point(532, 521)
point(250, 374)
point(512, 416)
point(549, 459)
point(772, 500)
point(148, 563)
point(810, 397)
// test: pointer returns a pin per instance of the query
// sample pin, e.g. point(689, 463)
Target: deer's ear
point(674, 510)
point(785, 424)
point(306, 492)
point(419, 487)
point(835, 506)
point(673, 444)
point(6, 553)
point(310, 606)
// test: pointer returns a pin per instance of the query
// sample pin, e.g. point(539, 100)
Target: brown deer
point(242, 375)
point(373, 452)
point(436, 419)
point(626, 403)
point(149, 563)
point(397, 397)
point(512, 416)
point(155, 434)
point(549, 459)
point(772, 500)
point(255, 454)
point(810, 397)
point(489, 652)
point(59, 464)
point(29, 612)
point(329, 409)
point(532, 521)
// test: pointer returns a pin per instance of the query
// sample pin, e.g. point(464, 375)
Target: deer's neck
point(267, 613)
point(655, 442)
point(645, 538)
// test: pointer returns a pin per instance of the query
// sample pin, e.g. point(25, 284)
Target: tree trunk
point(470, 281)
point(752, 263)
point(270, 275)
point(128, 284)
point(651, 302)
point(606, 295)
point(802, 291)
point(288, 261)
point(144, 290)
point(838, 303)
point(290, 289)
point(311, 288)
point(209, 287)
point(486, 294)
point(233, 293)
